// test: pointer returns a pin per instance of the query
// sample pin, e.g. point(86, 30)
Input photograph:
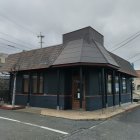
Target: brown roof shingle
point(34, 59)
point(125, 66)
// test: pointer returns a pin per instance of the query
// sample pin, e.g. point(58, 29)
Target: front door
point(76, 92)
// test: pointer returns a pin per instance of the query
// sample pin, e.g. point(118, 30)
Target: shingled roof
point(82, 46)
point(125, 66)
point(34, 59)
point(138, 73)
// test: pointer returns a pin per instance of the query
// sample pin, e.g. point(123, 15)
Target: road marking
point(98, 125)
point(35, 125)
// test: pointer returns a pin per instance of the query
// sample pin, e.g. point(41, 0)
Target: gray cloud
point(116, 20)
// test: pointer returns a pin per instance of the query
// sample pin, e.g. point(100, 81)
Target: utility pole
point(14, 70)
point(14, 91)
point(41, 38)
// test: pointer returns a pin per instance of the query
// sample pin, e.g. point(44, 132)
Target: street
point(15, 125)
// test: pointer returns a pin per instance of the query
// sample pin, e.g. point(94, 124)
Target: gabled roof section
point(125, 66)
point(34, 59)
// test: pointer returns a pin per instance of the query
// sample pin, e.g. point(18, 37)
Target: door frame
point(76, 102)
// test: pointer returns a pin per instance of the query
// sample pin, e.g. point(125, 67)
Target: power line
point(14, 47)
point(126, 39)
point(13, 21)
point(134, 56)
point(17, 39)
point(14, 43)
point(126, 43)
point(136, 60)
point(3, 43)
point(11, 46)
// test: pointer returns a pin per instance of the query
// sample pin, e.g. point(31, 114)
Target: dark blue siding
point(110, 100)
point(68, 82)
point(68, 102)
point(41, 101)
point(19, 84)
point(117, 99)
point(50, 82)
point(125, 98)
point(93, 103)
point(94, 85)
point(21, 100)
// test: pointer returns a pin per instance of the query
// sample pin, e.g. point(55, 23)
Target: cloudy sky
point(22, 20)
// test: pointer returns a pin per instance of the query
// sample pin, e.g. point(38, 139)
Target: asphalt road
point(26, 126)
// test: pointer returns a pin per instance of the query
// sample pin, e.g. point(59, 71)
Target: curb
point(124, 110)
point(97, 119)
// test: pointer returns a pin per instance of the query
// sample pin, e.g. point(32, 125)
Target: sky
point(21, 21)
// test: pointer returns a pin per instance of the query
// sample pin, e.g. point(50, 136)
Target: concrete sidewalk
point(82, 115)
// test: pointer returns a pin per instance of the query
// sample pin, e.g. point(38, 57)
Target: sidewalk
point(83, 115)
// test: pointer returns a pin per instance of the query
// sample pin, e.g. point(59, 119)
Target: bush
point(4, 84)
point(4, 95)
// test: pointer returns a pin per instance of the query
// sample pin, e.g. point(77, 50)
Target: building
point(78, 74)
point(137, 83)
point(3, 57)
point(4, 80)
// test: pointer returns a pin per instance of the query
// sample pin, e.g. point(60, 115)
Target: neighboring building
point(4, 80)
point(3, 57)
point(137, 83)
point(78, 74)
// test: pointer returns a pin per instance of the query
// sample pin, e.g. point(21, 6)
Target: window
point(34, 82)
point(109, 84)
point(41, 84)
point(117, 84)
point(37, 83)
point(2, 60)
point(124, 84)
point(25, 83)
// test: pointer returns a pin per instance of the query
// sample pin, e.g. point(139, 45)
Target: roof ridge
point(99, 50)
point(63, 46)
point(104, 54)
point(82, 49)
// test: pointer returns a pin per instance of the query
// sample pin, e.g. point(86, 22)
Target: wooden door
point(76, 92)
